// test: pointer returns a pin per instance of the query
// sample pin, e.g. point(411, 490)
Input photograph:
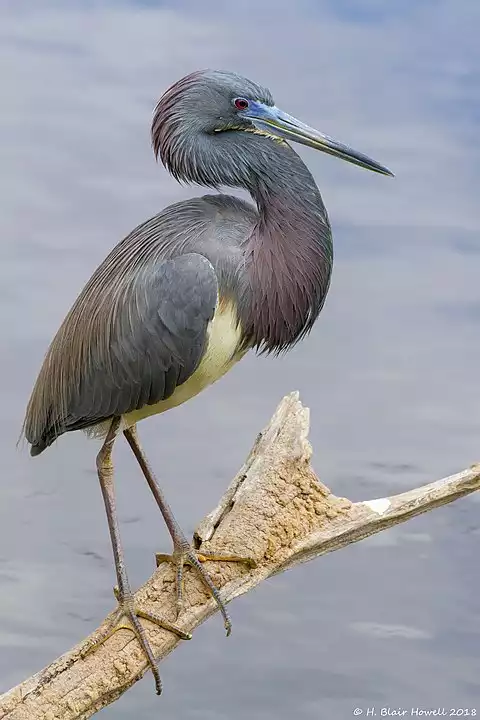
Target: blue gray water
point(391, 371)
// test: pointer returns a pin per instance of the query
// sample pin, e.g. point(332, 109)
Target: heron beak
point(275, 122)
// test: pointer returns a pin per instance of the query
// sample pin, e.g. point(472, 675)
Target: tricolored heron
point(186, 294)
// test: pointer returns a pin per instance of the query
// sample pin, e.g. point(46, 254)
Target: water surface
point(390, 371)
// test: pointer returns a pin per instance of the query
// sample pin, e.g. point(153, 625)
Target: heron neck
point(287, 193)
point(289, 254)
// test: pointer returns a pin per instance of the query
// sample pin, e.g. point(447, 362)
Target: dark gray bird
point(183, 297)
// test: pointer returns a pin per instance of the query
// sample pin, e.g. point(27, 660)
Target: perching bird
point(186, 294)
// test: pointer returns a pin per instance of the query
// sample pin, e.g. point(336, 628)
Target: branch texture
point(277, 512)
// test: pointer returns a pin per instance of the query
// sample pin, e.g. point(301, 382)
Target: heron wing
point(159, 337)
point(142, 337)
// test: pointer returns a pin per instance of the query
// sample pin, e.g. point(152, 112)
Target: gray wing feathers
point(158, 340)
point(138, 328)
point(146, 335)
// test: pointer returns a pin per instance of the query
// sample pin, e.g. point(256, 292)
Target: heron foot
point(183, 554)
point(127, 618)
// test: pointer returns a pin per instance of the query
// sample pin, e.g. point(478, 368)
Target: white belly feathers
point(221, 354)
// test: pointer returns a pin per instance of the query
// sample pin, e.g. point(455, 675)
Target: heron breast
point(224, 335)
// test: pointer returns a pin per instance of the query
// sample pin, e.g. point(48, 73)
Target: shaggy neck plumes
point(289, 255)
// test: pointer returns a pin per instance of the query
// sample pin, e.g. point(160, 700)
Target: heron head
point(203, 103)
point(211, 102)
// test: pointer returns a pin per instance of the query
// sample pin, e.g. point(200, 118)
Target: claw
point(132, 614)
point(186, 555)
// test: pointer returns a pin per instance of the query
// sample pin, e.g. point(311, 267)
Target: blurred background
point(390, 371)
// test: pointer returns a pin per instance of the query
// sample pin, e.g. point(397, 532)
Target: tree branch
point(276, 511)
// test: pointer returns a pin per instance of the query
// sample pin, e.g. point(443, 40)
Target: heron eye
point(241, 103)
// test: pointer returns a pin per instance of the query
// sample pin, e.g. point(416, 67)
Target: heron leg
point(126, 611)
point(183, 553)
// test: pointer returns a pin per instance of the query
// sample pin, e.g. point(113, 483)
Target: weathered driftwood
point(276, 511)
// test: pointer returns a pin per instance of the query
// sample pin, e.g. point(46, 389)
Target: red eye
point(241, 103)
